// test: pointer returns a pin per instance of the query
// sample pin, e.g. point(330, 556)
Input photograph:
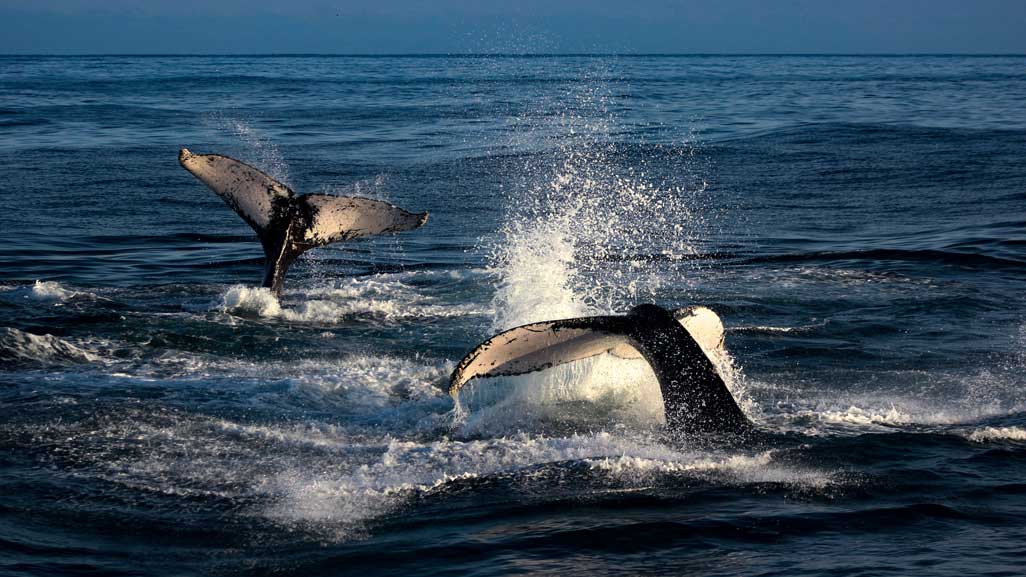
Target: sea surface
point(859, 224)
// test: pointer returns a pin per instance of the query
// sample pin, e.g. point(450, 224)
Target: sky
point(511, 26)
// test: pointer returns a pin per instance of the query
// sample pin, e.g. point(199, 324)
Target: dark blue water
point(859, 223)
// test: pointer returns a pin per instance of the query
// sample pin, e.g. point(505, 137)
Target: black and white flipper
point(680, 346)
point(286, 224)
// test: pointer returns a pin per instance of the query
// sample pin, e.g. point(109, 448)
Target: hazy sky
point(453, 26)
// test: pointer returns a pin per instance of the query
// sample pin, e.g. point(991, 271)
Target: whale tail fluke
point(286, 224)
point(704, 326)
point(701, 323)
point(678, 345)
point(538, 346)
point(335, 218)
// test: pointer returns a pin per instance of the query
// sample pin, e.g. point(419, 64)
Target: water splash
point(50, 291)
point(593, 224)
point(591, 228)
point(251, 301)
point(255, 146)
point(384, 297)
point(535, 275)
point(592, 234)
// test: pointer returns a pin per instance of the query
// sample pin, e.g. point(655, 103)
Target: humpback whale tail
point(288, 225)
point(677, 345)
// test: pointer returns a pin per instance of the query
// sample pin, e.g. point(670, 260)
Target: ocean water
point(859, 223)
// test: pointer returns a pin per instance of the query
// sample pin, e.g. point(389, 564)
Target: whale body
point(286, 224)
point(676, 344)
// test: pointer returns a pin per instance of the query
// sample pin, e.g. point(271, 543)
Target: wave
point(19, 349)
point(835, 130)
point(121, 240)
point(251, 301)
point(380, 297)
point(854, 415)
point(734, 469)
point(404, 469)
point(985, 434)
point(773, 330)
point(50, 291)
point(944, 256)
point(913, 401)
point(334, 479)
point(961, 259)
point(42, 292)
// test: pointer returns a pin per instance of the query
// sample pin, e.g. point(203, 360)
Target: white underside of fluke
point(543, 345)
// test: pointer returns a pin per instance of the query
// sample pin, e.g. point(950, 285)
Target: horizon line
point(498, 54)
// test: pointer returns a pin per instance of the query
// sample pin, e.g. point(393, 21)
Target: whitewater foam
point(858, 416)
point(985, 434)
point(730, 468)
point(599, 392)
point(767, 329)
point(910, 399)
point(50, 291)
point(383, 297)
point(404, 468)
point(251, 301)
point(405, 392)
point(19, 347)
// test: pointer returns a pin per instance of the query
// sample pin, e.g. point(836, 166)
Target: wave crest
point(251, 301)
point(21, 348)
point(998, 434)
point(380, 297)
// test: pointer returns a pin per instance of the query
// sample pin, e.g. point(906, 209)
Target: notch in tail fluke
point(288, 225)
point(678, 345)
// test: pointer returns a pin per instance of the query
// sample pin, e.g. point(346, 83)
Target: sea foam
point(22, 347)
point(997, 434)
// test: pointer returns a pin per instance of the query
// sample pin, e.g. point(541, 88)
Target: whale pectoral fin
point(703, 325)
point(259, 199)
point(335, 218)
point(539, 346)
